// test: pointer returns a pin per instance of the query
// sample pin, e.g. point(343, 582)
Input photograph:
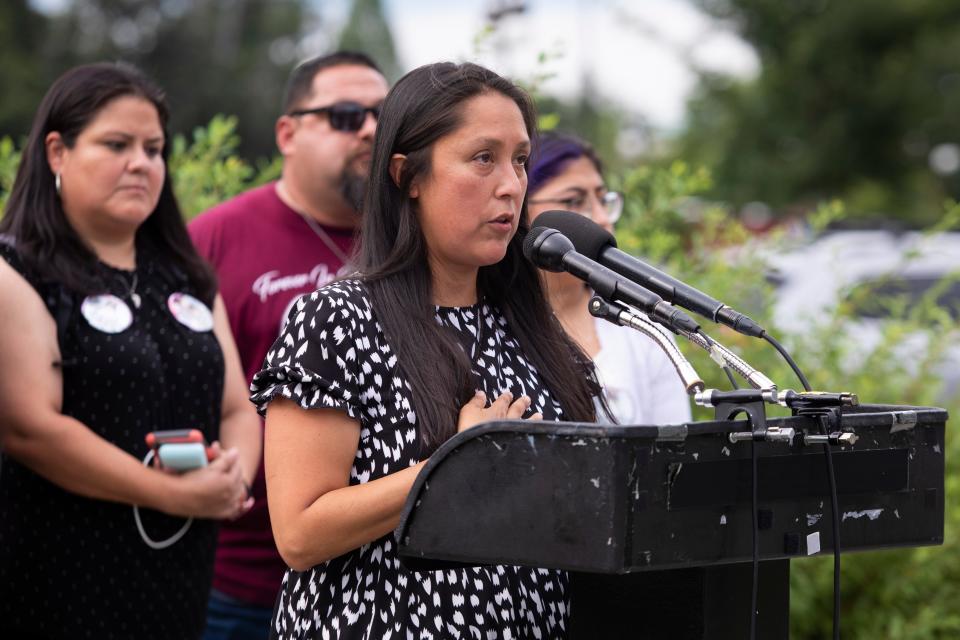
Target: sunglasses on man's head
point(344, 116)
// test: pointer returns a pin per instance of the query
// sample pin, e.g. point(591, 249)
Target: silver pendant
point(135, 299)
point(106, 313)
point(190, 312)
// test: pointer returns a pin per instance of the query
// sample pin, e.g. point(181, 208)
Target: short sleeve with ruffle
point(314, 360)
point(334, 353)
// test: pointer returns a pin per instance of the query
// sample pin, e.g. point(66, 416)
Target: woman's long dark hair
point(425, 105)
point(46, 242)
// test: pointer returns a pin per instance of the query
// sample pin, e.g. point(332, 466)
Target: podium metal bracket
point(831, 423)
point(731, 404)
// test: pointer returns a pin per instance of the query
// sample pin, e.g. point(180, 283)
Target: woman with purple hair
point(641, 384)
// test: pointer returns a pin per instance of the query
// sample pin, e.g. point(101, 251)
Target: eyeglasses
point(611, 201)
point(344, 116)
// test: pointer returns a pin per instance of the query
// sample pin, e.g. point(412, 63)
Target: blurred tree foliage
point(210, 56)
point(367, 30)
point(9, 161)
point(207, 170)
point(851, 99)
point(897, 594)
point(588, 118)
point(22, 82)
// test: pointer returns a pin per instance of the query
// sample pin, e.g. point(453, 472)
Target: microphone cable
point(835, 515)
point(834, 501)
point(755, 565)
point(786, 356)
point(832, 483)
point(733, 381)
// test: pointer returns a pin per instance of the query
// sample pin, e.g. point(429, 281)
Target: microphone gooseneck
point(600, 308)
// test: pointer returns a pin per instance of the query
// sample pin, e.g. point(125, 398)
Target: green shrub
point(206, 171)
point(903, 593)
point(9, 161)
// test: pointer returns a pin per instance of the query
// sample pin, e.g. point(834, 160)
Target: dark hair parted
point(424, 106)
point(300, 83)
point(45, 240)
point(552, 154)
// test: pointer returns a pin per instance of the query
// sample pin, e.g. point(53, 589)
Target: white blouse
point(641, 383)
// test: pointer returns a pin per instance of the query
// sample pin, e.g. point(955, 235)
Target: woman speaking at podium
point(444, 326)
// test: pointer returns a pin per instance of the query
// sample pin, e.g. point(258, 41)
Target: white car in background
point(836, 267)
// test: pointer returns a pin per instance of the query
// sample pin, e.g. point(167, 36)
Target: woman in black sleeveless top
point(110, 328)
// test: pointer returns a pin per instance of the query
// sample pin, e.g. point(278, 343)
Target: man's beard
point(353, 189)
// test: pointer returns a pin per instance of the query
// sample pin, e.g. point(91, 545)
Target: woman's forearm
point(344, 519)
point(73, 457)
point(243, 430)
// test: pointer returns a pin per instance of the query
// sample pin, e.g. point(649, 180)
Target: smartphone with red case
point(179, 449)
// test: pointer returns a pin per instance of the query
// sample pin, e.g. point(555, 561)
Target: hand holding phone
point(179, 450)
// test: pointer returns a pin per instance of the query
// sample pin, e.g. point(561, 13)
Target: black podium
point(655, 522)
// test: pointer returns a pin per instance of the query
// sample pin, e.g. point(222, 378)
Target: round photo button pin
point(106, 313)
point(190, 312)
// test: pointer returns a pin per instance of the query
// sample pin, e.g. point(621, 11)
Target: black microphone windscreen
point(588, 238)
point(528, 242)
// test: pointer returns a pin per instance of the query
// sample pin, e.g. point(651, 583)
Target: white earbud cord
point(163, 544)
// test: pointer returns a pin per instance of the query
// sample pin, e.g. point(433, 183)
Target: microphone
point(551, 250)
point(595, 243)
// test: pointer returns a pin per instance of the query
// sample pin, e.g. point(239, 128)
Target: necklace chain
point(132, 289)
point(314, 226)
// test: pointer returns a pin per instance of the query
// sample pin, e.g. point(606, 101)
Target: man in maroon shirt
point(269, 246)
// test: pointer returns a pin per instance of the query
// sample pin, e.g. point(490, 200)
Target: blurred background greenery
point(855, 99)
point(850, 121)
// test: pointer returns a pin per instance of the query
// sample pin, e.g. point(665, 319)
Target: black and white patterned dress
point(333, 353)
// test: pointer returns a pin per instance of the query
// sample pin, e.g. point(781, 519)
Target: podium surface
point(621, 500)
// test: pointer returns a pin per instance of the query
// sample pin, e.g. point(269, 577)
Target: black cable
point(733, 381)
point(786, 356)
point(756, 545)
point(835, 512)
point(832, 481)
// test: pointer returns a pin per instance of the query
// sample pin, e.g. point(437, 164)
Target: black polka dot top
point(333, 353)
point(73, 567)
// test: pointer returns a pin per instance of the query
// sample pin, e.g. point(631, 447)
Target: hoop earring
point(56, 182)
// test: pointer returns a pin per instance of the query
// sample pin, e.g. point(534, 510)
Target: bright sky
point(641, 54)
